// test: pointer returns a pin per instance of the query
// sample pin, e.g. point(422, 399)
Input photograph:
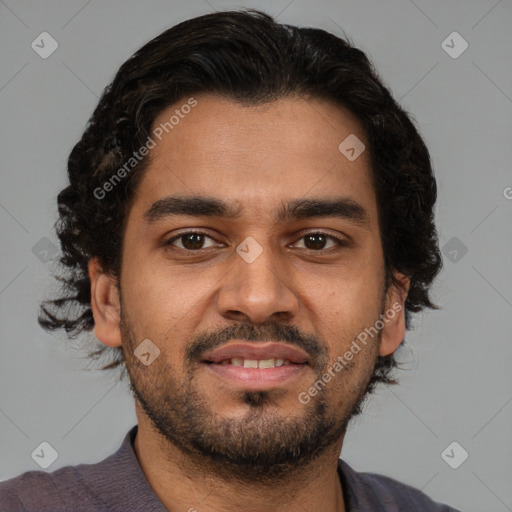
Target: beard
point(262, 445)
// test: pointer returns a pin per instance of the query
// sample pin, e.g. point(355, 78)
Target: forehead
point(256, 155)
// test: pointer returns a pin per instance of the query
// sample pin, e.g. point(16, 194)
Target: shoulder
point(41, 491)
point(383, 494)
point(115, 484)
point(78, 488)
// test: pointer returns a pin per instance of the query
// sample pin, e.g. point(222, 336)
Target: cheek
point(343, 307)
point(164, 303)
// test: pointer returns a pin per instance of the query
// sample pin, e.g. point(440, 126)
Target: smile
point(254, 363)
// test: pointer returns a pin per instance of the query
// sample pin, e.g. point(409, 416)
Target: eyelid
point(188, 231)
point(321, 231)
point(340, 241)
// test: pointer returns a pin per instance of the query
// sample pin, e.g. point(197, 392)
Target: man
point(248, 225)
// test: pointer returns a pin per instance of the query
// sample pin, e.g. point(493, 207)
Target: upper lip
point(257, 351)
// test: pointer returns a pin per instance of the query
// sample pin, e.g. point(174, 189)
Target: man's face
point(292, 290)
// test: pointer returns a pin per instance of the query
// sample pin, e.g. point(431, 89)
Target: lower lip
point(255, 379)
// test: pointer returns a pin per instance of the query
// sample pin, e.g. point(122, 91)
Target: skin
point(254, 158)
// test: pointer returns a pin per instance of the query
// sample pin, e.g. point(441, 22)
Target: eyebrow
point(297, 209)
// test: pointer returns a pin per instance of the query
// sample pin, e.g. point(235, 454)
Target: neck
point(182, 484)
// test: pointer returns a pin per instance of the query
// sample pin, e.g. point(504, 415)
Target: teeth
point(254, 363)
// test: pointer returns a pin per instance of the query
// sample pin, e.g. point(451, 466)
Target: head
point(212, 199)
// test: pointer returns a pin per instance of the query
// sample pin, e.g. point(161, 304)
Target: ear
point(105, 305)
point(393, 331)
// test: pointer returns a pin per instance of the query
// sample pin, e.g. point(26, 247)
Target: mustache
point(270, 331)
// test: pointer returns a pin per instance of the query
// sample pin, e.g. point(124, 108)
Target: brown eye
point(190, 241)
point(317, 241)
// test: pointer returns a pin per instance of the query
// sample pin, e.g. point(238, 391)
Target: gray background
point(456, 386)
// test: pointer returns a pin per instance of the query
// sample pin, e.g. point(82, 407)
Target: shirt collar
point(142, 497)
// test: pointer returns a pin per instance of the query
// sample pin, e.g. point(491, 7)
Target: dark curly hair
point(249, 58)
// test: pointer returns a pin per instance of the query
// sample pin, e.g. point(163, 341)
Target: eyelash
point(340, 242)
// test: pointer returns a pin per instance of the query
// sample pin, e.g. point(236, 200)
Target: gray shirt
point(117, 484)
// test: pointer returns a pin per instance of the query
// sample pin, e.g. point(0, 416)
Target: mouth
point(255, 363)
point(256, 367)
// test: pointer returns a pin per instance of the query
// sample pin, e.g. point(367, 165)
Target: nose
point(257, 291)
